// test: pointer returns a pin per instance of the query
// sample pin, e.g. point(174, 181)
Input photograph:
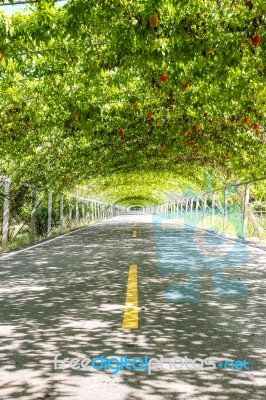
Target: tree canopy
point(129, 96)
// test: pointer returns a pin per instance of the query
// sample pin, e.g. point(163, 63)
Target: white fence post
point(245, 211)
point(92, 210)
point(7, 183)
point(204, 210)
point(50, 207)
point(186, 210)
point(225, 209)
point(61, 213)
point(70, 215)
point(83, 213)
point(77, 212)
point(191, 210)
point(197, 210)
point(32, 216)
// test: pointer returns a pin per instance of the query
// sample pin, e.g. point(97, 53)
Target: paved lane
point(68, 295)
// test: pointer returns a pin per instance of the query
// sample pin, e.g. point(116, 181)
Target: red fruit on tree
point(163, 145)
point(122, 131)
point(163, 78)
point(123, 138)
point(256, 127)
point(153, 21)
point(246, 121)
point(190, 143)
point(198, 127)
point(256, 40)
point(149, 116)
point(185, 85)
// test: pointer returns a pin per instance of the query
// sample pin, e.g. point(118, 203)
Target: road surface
point(69, 296)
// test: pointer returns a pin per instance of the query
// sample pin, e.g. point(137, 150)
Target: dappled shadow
point(67, 296)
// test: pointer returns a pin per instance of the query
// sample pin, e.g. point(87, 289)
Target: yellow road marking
point(130, 320)
point(134, 233)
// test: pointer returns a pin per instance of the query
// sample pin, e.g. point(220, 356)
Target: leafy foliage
point(72, 77)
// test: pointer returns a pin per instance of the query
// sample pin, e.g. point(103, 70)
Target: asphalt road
point(68, 296)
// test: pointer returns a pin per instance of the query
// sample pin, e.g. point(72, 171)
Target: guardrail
point(28, 215)
point(230, 210)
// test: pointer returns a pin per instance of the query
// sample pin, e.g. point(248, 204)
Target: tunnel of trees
point(126, 98)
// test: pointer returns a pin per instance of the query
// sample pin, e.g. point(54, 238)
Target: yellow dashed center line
point(130, 320)
point(134, 233)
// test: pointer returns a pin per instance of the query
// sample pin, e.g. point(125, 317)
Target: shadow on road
point(67, 297)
